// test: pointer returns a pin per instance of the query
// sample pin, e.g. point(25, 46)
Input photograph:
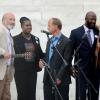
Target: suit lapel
point(82, 31)
point(86, 41)
point(59, 42)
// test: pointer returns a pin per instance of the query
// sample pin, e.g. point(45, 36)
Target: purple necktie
point(89, 37)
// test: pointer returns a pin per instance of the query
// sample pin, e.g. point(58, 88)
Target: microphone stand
point(48, 36)
point(47, 67)
point(66, 64)
point(81, 71)
point(47, 33)
point(54, 88)
point(54, 72)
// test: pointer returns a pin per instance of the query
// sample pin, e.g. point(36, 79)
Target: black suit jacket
point(64, 46)
point(86, 53)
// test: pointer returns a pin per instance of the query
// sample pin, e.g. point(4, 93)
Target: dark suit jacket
point(20, 63)
point(86, 53)
point(64, 46)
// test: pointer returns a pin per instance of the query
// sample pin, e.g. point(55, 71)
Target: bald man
point(6, 49)
point(86, 35)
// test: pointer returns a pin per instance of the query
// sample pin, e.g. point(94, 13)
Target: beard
point(91, 25)
point(10, 27)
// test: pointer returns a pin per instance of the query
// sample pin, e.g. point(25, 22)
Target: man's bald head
point(90, 13)
point(90, 19)
point(8, 20)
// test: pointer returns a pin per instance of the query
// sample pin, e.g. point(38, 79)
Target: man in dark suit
point(87, 35)
point(58, 69)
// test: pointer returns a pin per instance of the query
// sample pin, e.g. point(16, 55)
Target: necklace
point(28, 37)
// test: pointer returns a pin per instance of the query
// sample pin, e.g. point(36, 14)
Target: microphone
point(46, 32)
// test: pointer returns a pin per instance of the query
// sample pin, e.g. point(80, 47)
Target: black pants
point(84, 90)
point(26, 85)
point(50, 94)
point(96, 83)
point(81, 87)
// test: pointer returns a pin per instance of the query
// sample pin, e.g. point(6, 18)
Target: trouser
point(96, 83)
point(51, 94)
point(26, 85)
point(81, 87)
point(84, 89)
point(5, 87)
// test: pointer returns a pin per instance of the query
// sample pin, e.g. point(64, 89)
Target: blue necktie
point(89, 37)
point(52, 48)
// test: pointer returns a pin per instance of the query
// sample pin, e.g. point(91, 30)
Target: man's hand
point(7, 55)
point(58, 81)
point(41, 64)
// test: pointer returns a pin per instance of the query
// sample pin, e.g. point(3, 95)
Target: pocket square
point(96, 36)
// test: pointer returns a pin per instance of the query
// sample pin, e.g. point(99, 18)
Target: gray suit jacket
point(3, 49)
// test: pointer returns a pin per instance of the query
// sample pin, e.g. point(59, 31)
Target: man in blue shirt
point(58, 69)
